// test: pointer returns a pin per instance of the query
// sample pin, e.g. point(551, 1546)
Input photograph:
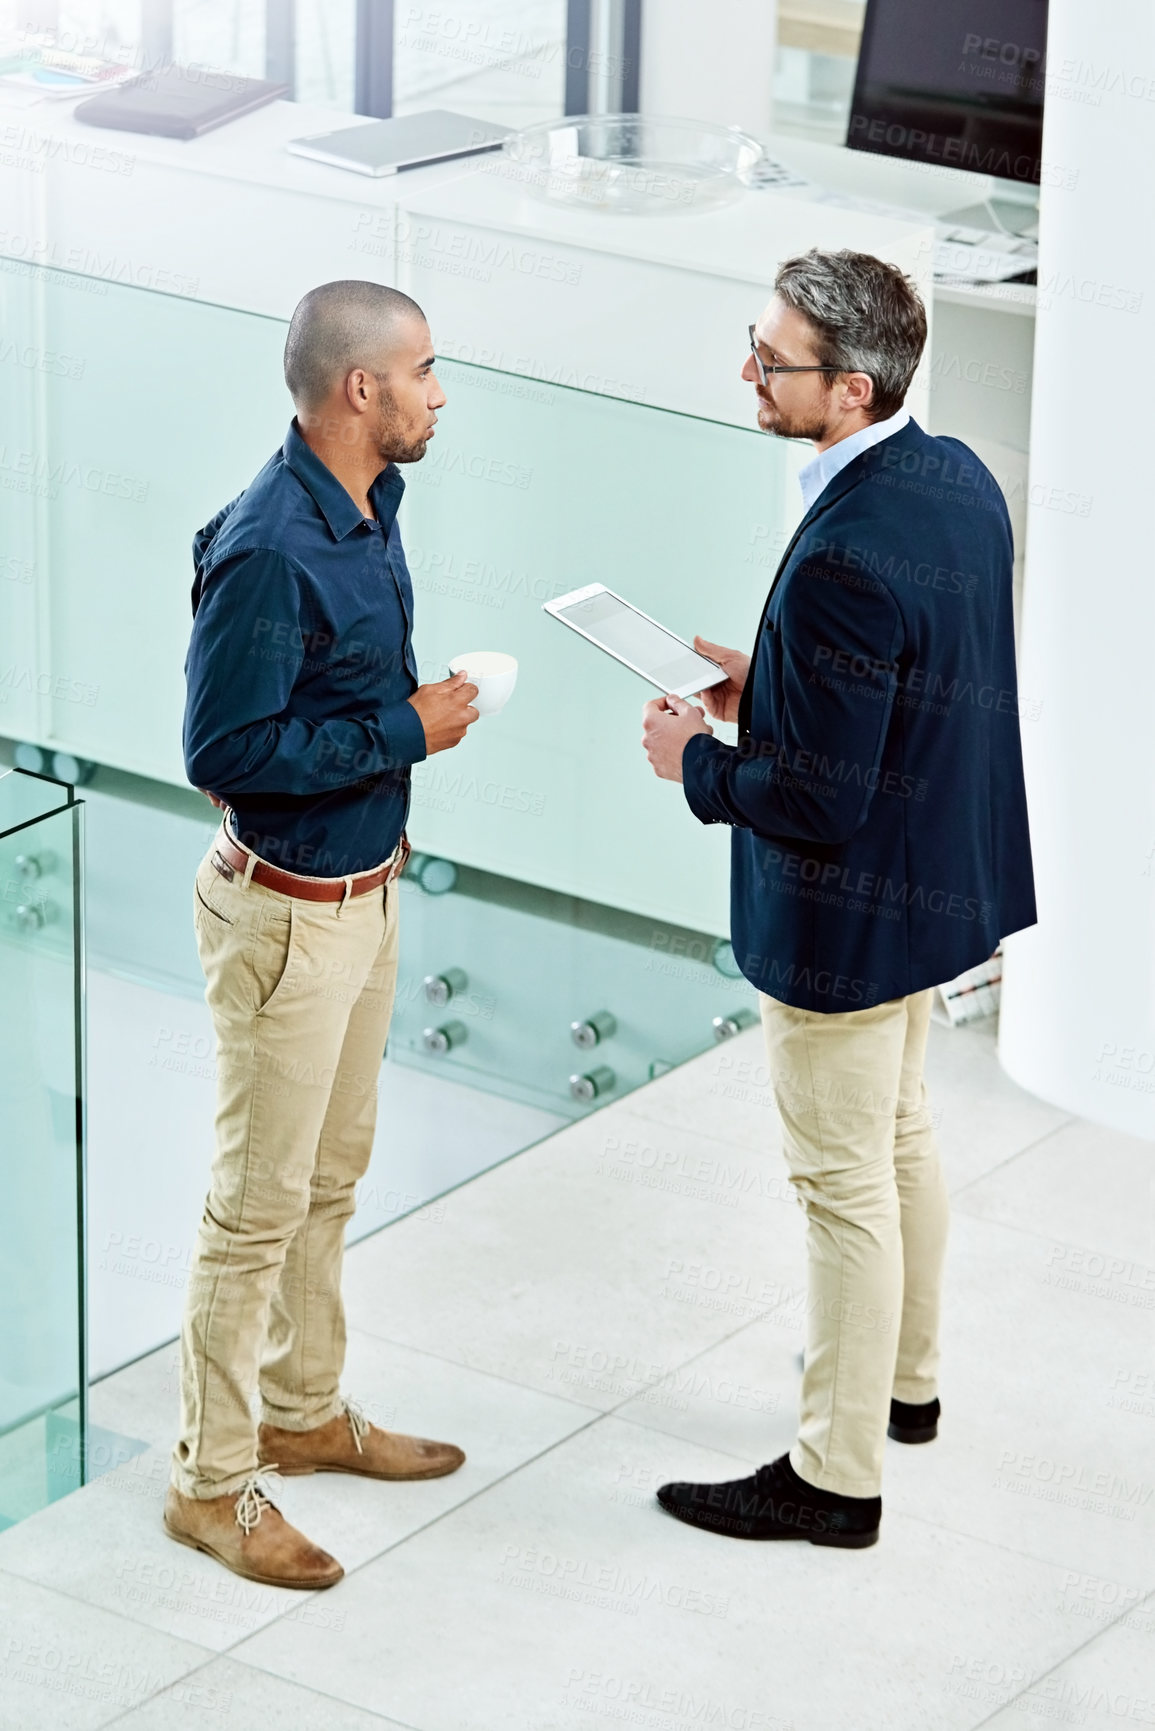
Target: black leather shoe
point(913, 1424)
point(776, 1504)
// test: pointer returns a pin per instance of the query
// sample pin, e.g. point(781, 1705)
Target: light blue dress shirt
point(818, 474)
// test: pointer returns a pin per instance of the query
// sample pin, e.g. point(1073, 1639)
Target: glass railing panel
point(23, 798)
point(528, 490)
point(136, 416)
point(22, 537)
point(531, 490)
point(522, 963)
point(42, 1357)
point(498, 978)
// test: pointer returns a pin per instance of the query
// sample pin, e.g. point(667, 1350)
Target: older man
point(880, 847)
point(304, 717)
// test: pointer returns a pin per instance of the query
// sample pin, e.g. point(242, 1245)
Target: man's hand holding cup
point(446, 711)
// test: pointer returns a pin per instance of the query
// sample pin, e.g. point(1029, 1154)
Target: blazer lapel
point(854, 472)
point(825, 499)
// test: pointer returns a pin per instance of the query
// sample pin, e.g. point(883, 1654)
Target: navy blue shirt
point(300, 666)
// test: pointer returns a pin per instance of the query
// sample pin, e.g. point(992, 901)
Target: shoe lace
point(769, 1477)
point(358, 1423)
point(253, 1499)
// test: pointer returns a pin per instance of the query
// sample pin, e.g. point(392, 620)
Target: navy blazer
point(880, 841)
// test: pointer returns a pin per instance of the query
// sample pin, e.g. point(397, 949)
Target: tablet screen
point(633, 638)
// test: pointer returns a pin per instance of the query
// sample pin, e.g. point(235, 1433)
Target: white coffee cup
point(494, 675)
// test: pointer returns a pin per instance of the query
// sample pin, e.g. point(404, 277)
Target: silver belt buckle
point(221, 864)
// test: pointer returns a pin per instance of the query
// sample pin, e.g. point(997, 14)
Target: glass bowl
point(633, 164)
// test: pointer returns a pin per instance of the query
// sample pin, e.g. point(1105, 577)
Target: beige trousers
point(301, 994)
point(861, 1155)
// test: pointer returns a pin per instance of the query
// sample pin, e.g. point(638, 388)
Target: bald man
point(304, 717)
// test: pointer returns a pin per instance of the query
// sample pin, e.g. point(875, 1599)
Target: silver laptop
point(383, 146)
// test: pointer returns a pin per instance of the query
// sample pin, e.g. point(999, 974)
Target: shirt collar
point(816, 476)
point(330, 497)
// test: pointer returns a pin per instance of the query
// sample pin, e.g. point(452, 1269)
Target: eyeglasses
point(764, 371)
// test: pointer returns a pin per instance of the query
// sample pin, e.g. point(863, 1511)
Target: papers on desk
point(988, 258)
point(32, 70)
point(961, 255)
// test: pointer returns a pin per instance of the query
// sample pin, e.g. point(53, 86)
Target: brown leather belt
point(229, 858)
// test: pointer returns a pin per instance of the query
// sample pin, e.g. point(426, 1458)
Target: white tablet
point(385, 146)
point(636, 640)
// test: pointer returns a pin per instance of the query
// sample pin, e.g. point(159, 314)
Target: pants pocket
point(202, 901)
point(273, 954)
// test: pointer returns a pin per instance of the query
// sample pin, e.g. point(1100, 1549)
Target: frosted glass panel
point(526, 968)
point(531, 490)
point(132, 416)
point(41, 1172)
point(144, 416)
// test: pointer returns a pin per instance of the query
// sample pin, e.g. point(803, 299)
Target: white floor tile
point(739, 1397)
point(106, 1544)
point(421, 1148)
point(556, 1599)
point(724, 1094)
point(568, 1271)
point(1038, 1448)
point(1108, 1683)
point(981, 1116)
point(1046, 1440)
point(499, 1425)
point(1093, 1190)
point(71, 1667)
point(142, 1400)
point(226, 1696)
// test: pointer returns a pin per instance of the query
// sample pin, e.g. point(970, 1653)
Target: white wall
point(1078, 1017)
point(710, 61)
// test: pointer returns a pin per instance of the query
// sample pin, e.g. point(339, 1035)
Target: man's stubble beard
point(391, 447)
point(771, 420)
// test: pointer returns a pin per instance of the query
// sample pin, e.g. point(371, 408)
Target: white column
point(1078, 1016)
point(709, 61)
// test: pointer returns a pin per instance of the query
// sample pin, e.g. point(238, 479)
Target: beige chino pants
point(301, 994)
point(861, 1155)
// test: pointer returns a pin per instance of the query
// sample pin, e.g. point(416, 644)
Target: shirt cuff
point(698, 748)
point(405, 734)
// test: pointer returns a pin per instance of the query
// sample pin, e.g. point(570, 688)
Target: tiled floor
point(619, 1305)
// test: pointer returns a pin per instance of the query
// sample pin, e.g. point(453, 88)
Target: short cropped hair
point(339, 326)
point(867, 317)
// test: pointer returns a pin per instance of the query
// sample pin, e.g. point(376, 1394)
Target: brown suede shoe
point(350, 1444)
point(246, 1533)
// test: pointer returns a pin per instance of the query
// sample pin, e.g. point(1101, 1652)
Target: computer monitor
point(956, 83)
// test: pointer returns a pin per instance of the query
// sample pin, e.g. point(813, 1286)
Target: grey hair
point(339, 326)
point(867, 317)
